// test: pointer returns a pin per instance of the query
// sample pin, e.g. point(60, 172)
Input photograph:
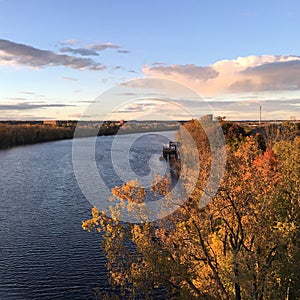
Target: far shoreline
point(15, 133)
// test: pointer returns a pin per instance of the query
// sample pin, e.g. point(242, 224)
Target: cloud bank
point(244, 74)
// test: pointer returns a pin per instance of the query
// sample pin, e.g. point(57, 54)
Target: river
point(44, 253)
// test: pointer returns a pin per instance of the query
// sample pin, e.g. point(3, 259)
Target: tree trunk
point(237, 286)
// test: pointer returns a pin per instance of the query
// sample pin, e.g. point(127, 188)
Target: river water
point(44, 253)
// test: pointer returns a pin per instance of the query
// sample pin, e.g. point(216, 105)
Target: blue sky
point(58, 56)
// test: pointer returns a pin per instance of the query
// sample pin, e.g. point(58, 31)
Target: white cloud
point(244, 74)
point(71, 42)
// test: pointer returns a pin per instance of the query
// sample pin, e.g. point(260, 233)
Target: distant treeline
point(16, 133)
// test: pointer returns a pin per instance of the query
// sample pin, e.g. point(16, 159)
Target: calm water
point(44, 253)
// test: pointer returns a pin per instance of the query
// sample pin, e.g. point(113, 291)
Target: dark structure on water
point(171, 151)
point(172, 155)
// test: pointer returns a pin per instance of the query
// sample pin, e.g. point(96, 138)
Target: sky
point(96, 59)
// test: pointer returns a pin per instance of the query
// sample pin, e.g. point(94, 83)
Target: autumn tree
point(244, 244)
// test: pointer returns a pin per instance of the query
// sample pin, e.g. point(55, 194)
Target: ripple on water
point(44, 253)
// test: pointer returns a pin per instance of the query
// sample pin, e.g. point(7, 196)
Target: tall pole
point(260, 116)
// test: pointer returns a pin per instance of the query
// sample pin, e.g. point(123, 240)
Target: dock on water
point(171, 151)
point(172, 155)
